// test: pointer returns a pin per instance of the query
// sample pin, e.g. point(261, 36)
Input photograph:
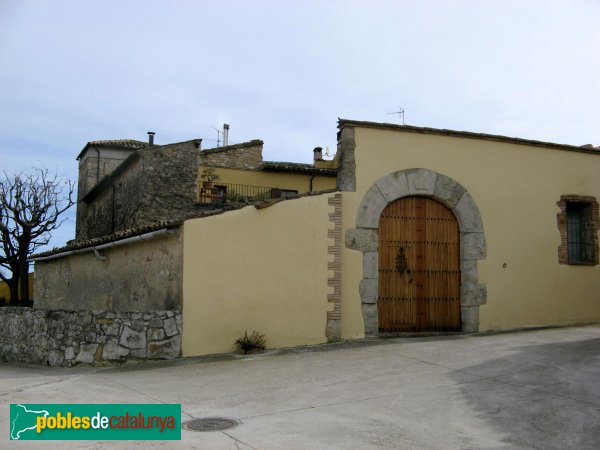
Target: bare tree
point(31, 204)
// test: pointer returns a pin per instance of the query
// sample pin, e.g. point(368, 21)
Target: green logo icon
point(95, 422)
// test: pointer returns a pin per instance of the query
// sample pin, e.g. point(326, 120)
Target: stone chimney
point(318, 154)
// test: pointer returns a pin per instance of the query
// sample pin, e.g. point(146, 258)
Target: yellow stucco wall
point(284, 180)
point(516, 188)
point(252, 269)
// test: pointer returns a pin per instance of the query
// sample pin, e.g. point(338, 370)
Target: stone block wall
point(247, 155)
point(68, 338)
point(169, 183)
point(156, 184)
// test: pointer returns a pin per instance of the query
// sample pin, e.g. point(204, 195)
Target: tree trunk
point(13, 285)
point(24, 282)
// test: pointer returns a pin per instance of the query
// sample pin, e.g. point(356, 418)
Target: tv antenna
point(400, 112)
point(218, 134)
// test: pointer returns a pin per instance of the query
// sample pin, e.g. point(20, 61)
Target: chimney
point(318, 154)
point(151, 138)
point(225, 134)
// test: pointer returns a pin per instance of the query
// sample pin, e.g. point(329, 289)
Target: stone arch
point(423, 182)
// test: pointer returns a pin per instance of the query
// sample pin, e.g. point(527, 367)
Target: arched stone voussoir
point(393, 186)
point(421, 181)
point(472, 246)
point(467, 213)
point(448, 191)
point(371, 207)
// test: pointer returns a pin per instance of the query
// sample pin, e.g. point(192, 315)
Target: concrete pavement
point(532, 389)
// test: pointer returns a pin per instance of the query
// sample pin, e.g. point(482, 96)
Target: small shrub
point(262, 196)
point(209, 174)
point(256, 341)
point(233, 196)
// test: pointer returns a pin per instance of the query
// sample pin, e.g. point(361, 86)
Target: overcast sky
point(284, 71)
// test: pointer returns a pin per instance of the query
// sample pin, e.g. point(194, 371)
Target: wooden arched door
point(419, 267)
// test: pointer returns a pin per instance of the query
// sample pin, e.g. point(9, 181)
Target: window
point(578, 224)
point(579, 236)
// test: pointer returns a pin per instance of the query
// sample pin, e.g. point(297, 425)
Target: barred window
point(578, 224)
point(579, 233)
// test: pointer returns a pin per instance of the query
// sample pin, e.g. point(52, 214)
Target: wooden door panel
point(419, 272)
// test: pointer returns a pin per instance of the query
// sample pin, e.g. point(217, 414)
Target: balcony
point(218, 193)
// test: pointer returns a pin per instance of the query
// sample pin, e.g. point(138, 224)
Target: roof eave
point(464, 134)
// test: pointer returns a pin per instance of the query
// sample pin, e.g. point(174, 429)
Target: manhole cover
point(210, 424)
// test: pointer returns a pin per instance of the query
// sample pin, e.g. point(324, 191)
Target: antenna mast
point(218, 134)
point(400, 112)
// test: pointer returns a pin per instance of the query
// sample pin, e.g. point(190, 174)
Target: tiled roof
point(275, 166)
point(468, 134)
point(128, 144)
point(76, 245)
point(226, 148)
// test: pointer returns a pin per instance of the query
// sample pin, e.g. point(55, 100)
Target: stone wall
point(112, 208)
point(96, 163)
point(169, 183)
point(144, 275)
point(68, 338)
point(158, 184)
point(247, 155)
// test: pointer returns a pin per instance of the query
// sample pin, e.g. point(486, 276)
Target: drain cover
point(210, 424)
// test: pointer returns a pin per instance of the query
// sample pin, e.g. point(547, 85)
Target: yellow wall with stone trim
point(516, 188)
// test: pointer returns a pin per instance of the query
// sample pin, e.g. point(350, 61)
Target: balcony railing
point(218, 193)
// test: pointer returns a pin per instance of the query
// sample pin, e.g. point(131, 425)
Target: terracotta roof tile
point(128, 144)
point(276, 166)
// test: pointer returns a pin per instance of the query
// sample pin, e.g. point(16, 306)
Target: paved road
point(535, 389)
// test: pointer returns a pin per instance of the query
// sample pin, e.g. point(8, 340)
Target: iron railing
point(222, 193)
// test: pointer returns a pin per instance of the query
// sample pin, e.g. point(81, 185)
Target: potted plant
point(209, 177)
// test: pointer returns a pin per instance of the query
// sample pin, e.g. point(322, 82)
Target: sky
point(284, 71)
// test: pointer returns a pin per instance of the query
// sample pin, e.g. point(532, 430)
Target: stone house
point(125, 184)
point(408, 229)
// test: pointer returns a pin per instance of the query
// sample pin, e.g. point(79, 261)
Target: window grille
point(578, 223)
point(579, 232)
